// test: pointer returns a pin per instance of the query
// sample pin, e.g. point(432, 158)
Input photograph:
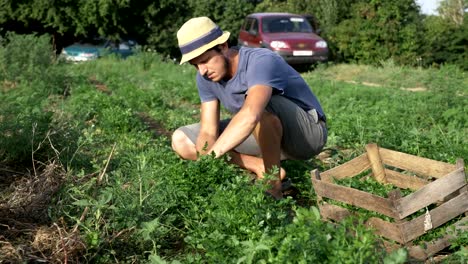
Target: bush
point(379, 31)
point(25, 57)
point(30, 82)
point(445, 43)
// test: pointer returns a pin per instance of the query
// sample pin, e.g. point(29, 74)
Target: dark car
point(93, 48)
point(289, 35)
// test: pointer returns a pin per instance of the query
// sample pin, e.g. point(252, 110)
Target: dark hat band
point(203, 40)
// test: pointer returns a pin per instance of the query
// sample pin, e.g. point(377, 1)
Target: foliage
point(453, 11)
point(24, 124)
point(328, 13)
point(30, 82)
point(161, 25)
point(428, 124)
point(445, 42)
point(380, 30)
point(133, 200)
point(24, 57)
point(229, 15)
point(366, 32)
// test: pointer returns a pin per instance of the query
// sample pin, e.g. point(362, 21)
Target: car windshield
point(286, 24)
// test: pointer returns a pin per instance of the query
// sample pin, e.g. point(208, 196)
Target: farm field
point(87, 173)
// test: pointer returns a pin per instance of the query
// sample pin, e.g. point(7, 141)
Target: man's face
point(212, 64)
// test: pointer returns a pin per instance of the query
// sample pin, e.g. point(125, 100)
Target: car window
point(247, 23)
point(255, 25)
point(286, 24)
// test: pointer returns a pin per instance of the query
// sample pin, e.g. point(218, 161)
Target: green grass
point(152, 206)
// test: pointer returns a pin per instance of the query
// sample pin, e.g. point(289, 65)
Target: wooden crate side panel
point(431, 193)
point(439, 216)
point(386, 229)
point(419, 165)
point(348, 169)
point(354, 197)
point(434, 246)
point(333, 212)
point(405, 181)
point(430, 248)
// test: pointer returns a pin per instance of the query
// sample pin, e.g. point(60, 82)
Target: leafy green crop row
point(134, 200)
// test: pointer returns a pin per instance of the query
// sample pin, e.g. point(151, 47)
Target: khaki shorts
point(304, 135)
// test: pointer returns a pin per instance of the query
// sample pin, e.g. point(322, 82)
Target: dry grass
point(388, 75)
point(26, 232)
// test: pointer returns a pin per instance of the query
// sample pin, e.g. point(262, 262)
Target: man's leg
point(268, 134)
point(252, 163)
point(183, 146)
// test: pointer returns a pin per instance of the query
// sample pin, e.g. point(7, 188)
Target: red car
point(289, 35)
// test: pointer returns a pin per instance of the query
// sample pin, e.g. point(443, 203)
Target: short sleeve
point(268, 69)
point(204, 91)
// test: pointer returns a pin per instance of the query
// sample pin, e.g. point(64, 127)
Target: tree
point(380, 30)
point(453, 10)
point(149, 22)
point(328, 12)
point(445, 42)
point(228, 14)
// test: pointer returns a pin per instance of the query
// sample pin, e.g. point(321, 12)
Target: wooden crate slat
point(348, 169)
point(404, 181)
point(334, 212)
point(386, 229)
point(434, 246)
point(430, 248)
point(354, 197)
point(439, 216)
point(431, 193)
point(419, 165)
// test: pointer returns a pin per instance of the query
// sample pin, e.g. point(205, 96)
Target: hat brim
point(197, 52)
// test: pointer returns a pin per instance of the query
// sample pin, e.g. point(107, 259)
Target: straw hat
point(197, 35)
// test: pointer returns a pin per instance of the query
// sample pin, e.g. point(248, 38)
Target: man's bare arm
point(209, 122)
point(244, 122)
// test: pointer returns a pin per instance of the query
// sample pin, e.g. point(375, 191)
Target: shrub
point(30, 82)
point(378, 31)
point(445, 43)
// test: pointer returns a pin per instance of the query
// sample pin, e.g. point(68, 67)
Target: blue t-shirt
point(259, 66)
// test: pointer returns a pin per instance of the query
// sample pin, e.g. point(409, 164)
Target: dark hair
point(215, 48)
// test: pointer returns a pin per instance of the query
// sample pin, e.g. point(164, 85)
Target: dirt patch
point(100, 85)
point(8, 85)
point(415, 89)
point(370, 84)
point(153, 125)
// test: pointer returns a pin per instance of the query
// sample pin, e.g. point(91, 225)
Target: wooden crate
point(433, 182)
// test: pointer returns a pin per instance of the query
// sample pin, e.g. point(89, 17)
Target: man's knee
point(182, 145)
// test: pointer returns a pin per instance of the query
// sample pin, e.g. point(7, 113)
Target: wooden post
point(376, 163)
point(316, 174)
point(461, 164)
point(394, 196)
